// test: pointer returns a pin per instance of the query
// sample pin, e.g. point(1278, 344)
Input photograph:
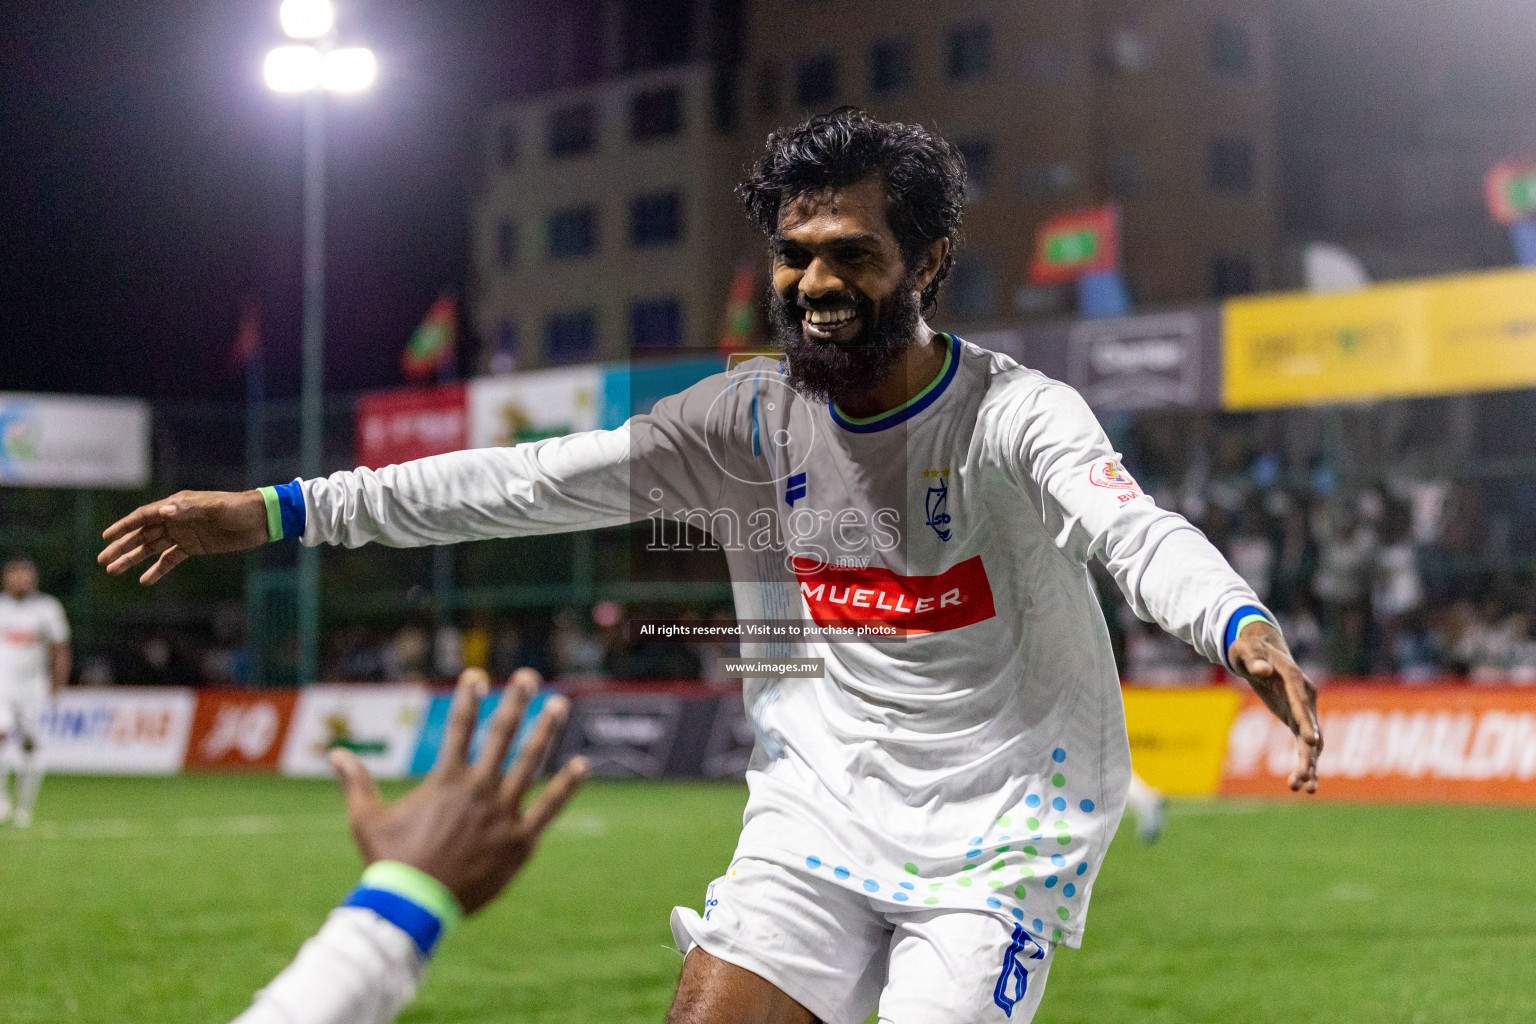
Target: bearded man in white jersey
point(927, 817)
point(34, 662)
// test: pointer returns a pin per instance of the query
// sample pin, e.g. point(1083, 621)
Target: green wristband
point(418, 887)
point(1244, 622)
point(274, 513)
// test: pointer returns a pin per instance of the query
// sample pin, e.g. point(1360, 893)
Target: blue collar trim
point(911, 409)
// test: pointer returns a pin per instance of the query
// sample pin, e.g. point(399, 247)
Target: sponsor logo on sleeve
point(1113, 476)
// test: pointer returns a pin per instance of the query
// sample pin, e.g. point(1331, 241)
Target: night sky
point(149, 181)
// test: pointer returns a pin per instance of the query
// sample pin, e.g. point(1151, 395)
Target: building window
point(504, 348)
point(656, 323)
point(1046, 65)
point(572, 232)
point(1042, 181)
point(816, 81)
point(570, 337)
point(655, 114)
point(655, 219)
point(890, 66)
point(977, 154)
point(506, 244)
point(572, 131)
point(767, 90)
point(1125, 50)
point(1230, 166)
point(1232, 275)
point(970, 51)
point(1231, 49)
point(972, 286)
point(506, 146)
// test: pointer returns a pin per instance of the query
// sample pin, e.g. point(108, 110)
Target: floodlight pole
point(312, 395)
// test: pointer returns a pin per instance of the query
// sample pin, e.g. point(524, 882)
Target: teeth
point(837, 316)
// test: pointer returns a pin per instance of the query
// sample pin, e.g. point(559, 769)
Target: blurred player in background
point(34, 662)
point(926, 819)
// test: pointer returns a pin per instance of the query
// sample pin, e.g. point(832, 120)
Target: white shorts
point(841, 955)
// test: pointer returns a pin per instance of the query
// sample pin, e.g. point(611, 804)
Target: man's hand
point(185, 524)
point(1259, 653)
point(465, 825)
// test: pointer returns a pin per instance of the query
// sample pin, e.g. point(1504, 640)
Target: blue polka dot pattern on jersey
point(1050, 883)
point(870, 885)
point(813, 862)
point(1058, 860)
point(976, 841)
point(1059, 804)
point(1083, 867)
point(994, 902)
point(1058, 755)
point(1069, 890)
point(1039, 925)
point(907, 885)
point(900, 897)
point(1033, 800)
point(1086, 806)
point(1018, 915)
point(840, 873)
point(973, 853)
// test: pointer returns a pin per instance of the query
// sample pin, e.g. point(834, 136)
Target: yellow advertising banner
point(1440, 336)
point(1179, 737)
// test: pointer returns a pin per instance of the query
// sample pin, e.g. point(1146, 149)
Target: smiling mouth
point(828, 323)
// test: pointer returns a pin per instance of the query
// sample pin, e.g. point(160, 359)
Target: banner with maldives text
point(1442, 743)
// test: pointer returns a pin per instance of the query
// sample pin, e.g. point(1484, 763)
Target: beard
point(827, 371)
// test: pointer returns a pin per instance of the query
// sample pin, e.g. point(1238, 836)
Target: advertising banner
point(517, 407)
point(1451, 335)
point(70, 441)
point(1178, 737)
point(380, 723)
point(117, 730)
point(239, 730)
point(430, 742)
point(1126, 364)
point(410, 423)
point(630, 389)
point(1443, 743)
point(625, 735)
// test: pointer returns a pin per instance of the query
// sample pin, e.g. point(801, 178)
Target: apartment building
point(597, 228)
point(607, 221)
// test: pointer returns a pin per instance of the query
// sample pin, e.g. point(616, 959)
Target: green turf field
point(171, 901)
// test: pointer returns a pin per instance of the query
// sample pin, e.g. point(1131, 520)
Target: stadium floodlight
point(307, 19)
point(293, 69)
point(350, 70)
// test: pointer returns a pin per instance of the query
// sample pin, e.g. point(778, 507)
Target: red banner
point(412, 423)
point(919, 604)
point(1443, 743)
point(1074, 244)
point(239, 729)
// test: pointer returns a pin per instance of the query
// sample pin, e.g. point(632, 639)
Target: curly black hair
point(924, 178)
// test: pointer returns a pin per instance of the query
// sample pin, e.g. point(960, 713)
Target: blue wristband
point(1240, 618)
point(423, 926)
point(290, 507)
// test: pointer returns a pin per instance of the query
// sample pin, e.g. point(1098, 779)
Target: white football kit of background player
point(925, 822)
point(29, 629)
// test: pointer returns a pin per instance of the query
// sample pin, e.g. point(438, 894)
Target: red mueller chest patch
point(918, 604)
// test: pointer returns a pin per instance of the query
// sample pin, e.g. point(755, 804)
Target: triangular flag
point(740, 309)
point(435, 342)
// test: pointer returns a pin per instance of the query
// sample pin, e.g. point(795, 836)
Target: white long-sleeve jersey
point(980, 760)
point(358, 969)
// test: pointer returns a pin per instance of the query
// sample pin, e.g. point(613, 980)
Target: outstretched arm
point(448, 848)
point(1166, 568)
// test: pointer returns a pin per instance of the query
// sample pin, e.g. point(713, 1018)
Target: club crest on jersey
point(937, 503)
